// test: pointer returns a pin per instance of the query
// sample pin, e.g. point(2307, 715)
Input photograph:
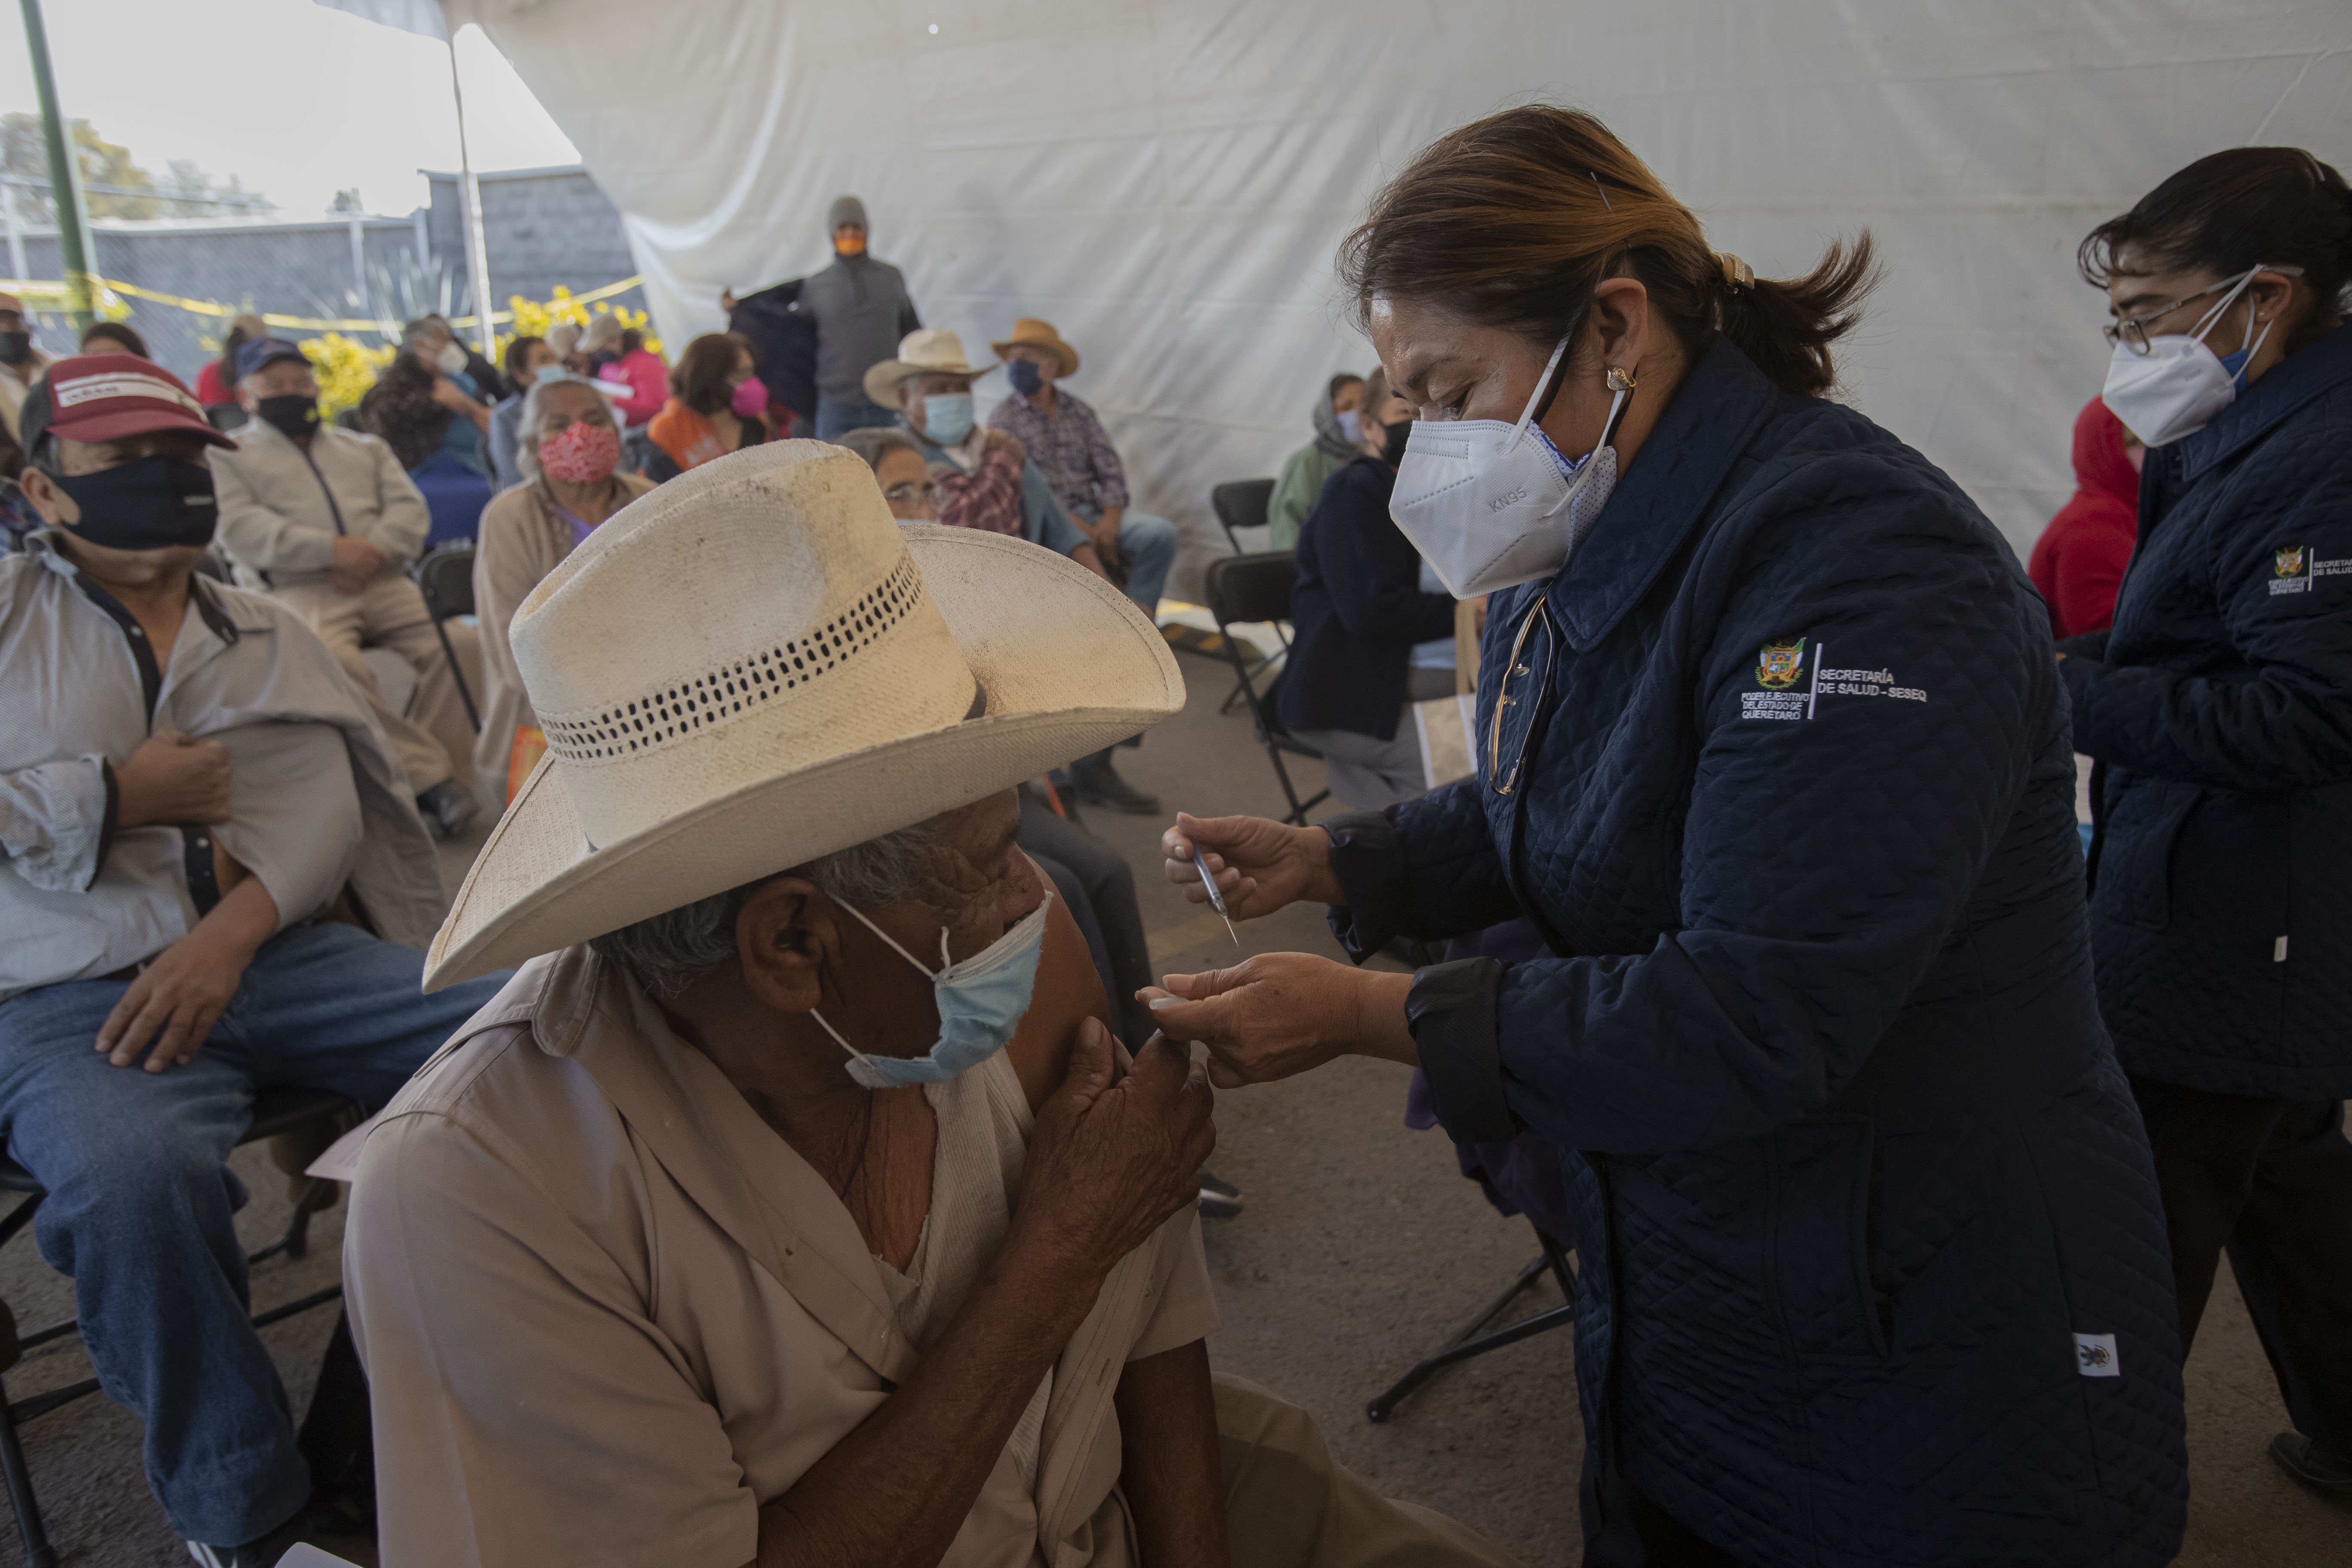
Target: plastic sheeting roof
point(1168, 181)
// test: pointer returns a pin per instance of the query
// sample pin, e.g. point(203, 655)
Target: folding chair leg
point(1469, 1343)
point(38, 1552)
point(457, 674)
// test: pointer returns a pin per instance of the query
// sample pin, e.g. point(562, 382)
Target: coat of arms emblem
point(1778, 665)
point(2289, 563)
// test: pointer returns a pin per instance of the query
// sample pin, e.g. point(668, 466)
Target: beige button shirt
point(606, 1311)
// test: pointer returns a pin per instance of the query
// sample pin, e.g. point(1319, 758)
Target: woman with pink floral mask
point(570, 456)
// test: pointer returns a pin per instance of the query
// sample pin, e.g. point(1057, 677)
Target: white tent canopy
point(1167, 180)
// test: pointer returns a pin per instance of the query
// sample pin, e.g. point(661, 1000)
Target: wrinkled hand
point(356, 562)
point(1260, 864)
point(1280, 1014)
point(1109, 1162)
point(171, 778)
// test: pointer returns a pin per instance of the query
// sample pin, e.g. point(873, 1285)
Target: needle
point(1217, 898)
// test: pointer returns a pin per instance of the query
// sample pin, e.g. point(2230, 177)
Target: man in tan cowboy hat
point(1068, 444)
point(790, 1203)
point(985, 480)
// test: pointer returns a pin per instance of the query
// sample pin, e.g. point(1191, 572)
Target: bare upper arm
point(1067, 992)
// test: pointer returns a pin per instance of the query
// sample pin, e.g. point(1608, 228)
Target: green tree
point(193, 193)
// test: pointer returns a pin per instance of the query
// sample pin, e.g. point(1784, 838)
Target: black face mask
point(16, 348)
point(148, 503)
point(1393, 449)
point(291, 411)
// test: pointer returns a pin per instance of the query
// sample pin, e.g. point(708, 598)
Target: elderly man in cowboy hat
point(1070, 447)
point(791, 1204)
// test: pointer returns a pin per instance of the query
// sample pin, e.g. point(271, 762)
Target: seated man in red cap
point(197, 812)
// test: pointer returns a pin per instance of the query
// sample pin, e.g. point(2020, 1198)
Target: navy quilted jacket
point(1357, 611)
point(2220, 707)
point(1873, 1266)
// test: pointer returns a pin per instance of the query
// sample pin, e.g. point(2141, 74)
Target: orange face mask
point(849, 244)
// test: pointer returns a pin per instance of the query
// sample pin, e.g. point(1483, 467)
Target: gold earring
point(1620, 380)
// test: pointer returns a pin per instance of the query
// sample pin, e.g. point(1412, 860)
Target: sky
point(298, 100)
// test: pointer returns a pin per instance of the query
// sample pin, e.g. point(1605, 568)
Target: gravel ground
point(1360, 1250)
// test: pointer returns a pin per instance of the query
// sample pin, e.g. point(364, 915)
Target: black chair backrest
point(1253, 587)
point(225, 415)
point(446, 578)
point(1242, 503)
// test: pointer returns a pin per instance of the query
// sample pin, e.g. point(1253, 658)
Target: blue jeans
point(1148, 545)
point(837, 417)
point(140, 1197)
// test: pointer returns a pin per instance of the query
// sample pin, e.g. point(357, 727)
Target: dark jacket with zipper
point(2219, 709)
point(1873, 1262)
point(1357, 611)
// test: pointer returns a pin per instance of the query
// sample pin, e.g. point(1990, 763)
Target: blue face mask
point(946, 417)
point(1023, 373)
point(981, 1001)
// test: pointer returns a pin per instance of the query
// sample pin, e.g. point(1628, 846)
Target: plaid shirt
point(1070, 447)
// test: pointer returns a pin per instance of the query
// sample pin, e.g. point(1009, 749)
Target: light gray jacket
point(281, 508)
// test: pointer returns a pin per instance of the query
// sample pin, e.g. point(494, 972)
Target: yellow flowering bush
point(533, 318)
point(346, 368)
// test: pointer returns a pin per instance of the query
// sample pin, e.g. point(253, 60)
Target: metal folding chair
point(275, 1113)
point(1470, 1343)
point(1240, 504)
point(446, 577)
point(1245, 588)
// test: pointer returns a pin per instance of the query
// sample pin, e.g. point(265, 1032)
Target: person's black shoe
point(1098, 784)
point(1218, 1199)
point(448, 806)
point(2326, 1473)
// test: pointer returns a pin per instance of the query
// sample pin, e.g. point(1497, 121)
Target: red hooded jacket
point(2078, 562)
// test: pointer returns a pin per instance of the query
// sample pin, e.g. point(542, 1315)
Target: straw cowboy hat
point(1031, 333)
point(755, 664)
point(926, 349)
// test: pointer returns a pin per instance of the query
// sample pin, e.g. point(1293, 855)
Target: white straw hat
point(752, 665)
point(924, 349)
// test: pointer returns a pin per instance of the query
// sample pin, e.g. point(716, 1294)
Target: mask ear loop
point(837, 1041)
point(2212, 318)
point(1539, 400)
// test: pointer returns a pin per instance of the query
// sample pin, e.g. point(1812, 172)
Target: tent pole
point(64, 174)
point(477, 254)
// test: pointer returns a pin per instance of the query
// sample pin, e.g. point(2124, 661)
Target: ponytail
point(1512, 221)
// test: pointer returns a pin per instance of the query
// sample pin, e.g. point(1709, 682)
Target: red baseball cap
point(105, 397)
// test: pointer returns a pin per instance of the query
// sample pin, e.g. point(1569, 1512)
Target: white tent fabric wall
point(1168, 180)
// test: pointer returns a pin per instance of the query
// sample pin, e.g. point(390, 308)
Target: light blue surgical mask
point(981, 1002)
point(1352, 428)
point(946, 417)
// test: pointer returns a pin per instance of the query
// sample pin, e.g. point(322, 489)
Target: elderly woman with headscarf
point(1337, 441)
point(568, 455)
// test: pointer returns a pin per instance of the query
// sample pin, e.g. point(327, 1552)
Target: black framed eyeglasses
point(2134, 330)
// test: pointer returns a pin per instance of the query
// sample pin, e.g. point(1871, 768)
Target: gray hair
point(527, 422)
point(667, 952)
point(876, 442)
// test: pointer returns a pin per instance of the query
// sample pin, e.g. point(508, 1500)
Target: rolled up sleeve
point(56, 821)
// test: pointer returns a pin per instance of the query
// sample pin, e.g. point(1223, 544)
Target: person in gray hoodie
point(861, 309)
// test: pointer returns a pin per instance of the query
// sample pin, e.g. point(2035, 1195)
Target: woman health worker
point(2219, 711)
point(1772, 752)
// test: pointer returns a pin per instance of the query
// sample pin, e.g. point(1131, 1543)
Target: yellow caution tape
point(48, 288)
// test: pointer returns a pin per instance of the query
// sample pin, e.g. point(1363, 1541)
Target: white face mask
point(2178, 388)
point(1487, 507)
point(451, 360)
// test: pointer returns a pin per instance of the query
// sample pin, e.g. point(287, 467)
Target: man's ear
point(785, 937)
point(51, 501)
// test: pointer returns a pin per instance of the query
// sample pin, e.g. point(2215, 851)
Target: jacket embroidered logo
point(2290, 563)
point(1778, 665)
